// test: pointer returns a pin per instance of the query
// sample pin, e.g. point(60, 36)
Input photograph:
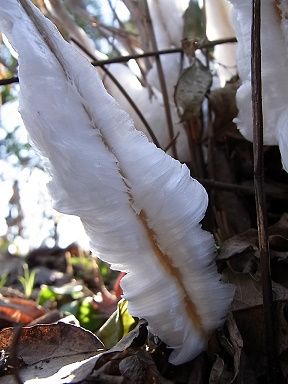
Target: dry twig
point(271, 350)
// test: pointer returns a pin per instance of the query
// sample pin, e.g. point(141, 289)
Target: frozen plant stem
point(271, 351)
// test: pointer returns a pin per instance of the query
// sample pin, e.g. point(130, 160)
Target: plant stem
point(275, 193)
point(271, 351)
point(11, 80)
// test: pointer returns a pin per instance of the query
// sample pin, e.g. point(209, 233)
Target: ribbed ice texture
point(274, 73)
point(151, 107)
point(106, 172)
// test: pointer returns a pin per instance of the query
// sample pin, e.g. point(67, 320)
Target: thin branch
point(272, 192)
point(11, 80)
point(125, 94)
point(271, 350)
point(171, 142)
point(162, 81)
point(113, 10)
point(124, 59)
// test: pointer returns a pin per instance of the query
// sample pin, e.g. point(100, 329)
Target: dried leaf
point(227, 345)
point(194, 28)
point(19, 310)
point(55, 353)
point(239, 244)
point(236, 344)
point(216, 371)
point(248, 290)
point(139, 368)
point(128, 359)
point(191, 89)
point(134, 338)
point(241, 252)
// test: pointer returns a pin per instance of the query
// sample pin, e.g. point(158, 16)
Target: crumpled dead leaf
point(130, 345)
point(216, 371)
point(227, 347)
point(241, 252)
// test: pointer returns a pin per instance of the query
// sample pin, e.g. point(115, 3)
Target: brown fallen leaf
point(108, 365)
point(54, 353)
point(50, 341)
point(139, 368)
point(240, 253)
point(216, 371)
point(16, 310)
point(225, 347)
point(135, 338)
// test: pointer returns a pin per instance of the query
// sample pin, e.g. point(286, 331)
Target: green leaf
point(119, 324)
point(27, 280)
point(72, 290)
point(89, 316)
point(46, 294)
point(191, 89)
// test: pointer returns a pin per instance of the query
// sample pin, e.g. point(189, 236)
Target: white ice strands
point(139, 206)
point(274, 71)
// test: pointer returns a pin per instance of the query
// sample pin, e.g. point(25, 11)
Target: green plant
point(3, 279)
point(27, 280)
